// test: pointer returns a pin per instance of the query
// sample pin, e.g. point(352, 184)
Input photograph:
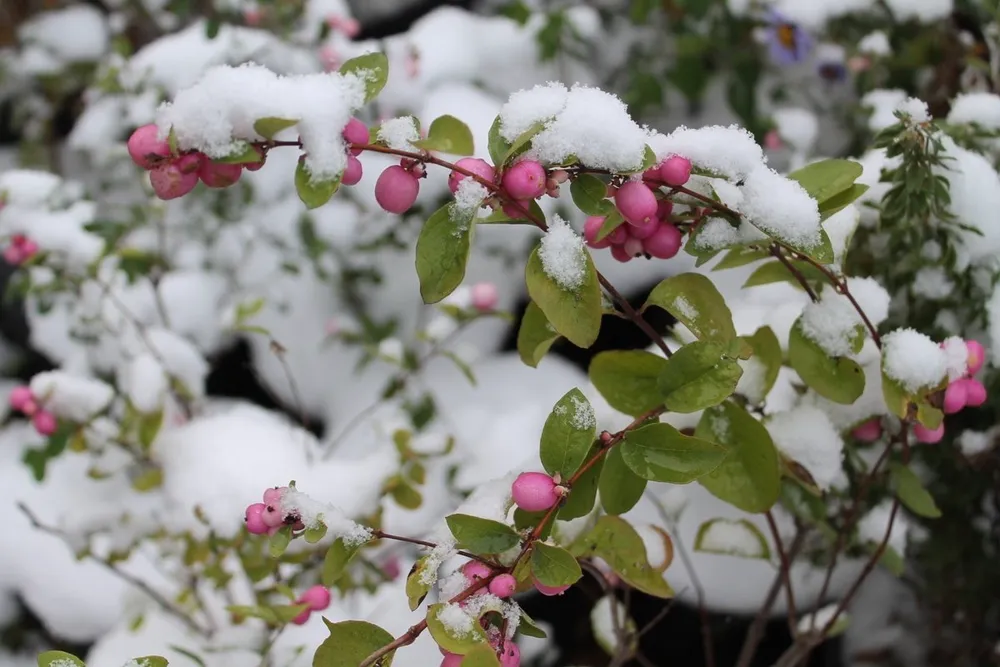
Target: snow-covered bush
point(361, 214)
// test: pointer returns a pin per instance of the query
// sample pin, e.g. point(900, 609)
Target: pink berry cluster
point(268, 517)
point(24, 401)
point(963, 392)
point(174, 176)
point(318, 599)
point(648, 232)
point(503, 586)
point(20, 250)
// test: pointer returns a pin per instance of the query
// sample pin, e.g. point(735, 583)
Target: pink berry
point(355, 132)
point(549, 590)
point(955, 397)
point(391, 569)
point(511, 656)
point(652, 174)
point(28, 249)
point(977, 355)
point(525, 180)
point(256, 166)
point(251, 17)
point(676, 170)
point(254, 519)
point(317, 597)
point(272, 517)
point(928, 436)
point(975, 392)
point(665, 243)
point(636, 202)
point(144, 147)
point(451, 660)
point(870, 431)
point(484, 297)
point(772, 140)
point(44, 422)
point(352, 175)
point(633, 247)
point(474, 571)
point(480, 168)
point(619, 235)
point(13, 255)
point(219, 174)
point(21, 397)
point(644, 230)
point(272, 496)
point(503, 585)
point(590, 230)
point(169, 182)
point(396, 189)
point(303, 617)
point(558, 176)
point(619, 253)
point(534, 491)
point(190, 162)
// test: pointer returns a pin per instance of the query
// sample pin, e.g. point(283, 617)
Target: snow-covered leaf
point(443, 249)
point(568, 434)
point(737, 537)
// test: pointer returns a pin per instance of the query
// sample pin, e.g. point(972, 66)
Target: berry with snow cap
point(675, 170)
point(355, 132)
point(145, 148)
point(477, 166)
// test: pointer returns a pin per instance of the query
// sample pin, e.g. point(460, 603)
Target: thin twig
point(801, 279)
point(786, 570)
point(167, 605)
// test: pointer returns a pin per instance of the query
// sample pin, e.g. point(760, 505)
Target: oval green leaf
point(767, 357)
point(481, 536)
point(372, 68)
point(271, 125)
point(620, 488)
point(59, 659)
point(590, 194)
point(698, 376)
point(460, 640)
point(350, 642)
point(661, 453)
point(615, 541)
point(911, 492)
point(535, 336)
point(554, 566)
point(443, 249)
point(448, 134)
point(313, 193)
point(575, 314)
point(568, 434)
point(336, 560)
point(627, 379)
point(838, 379)
point(583, 495)
point(696, 303)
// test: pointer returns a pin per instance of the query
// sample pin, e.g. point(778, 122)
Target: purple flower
point(787, 42)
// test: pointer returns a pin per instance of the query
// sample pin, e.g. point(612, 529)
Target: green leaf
point(529, 628)
point(568, 434)
point(554, 566)
point(660, 453)
point(892, 560)
point(838, 379)
point(697, 376)
point(620, 488)
point(612, 221)
point(827, 178)
point(522, 142)
point(266, 614)
point(776, 272)
point(149, 428)
point(740, 538)
point(583, 495)
point(574, 313)
point(416, 588)
point(336, 560)
point(696, 303)
point(448, 134)
point(482, 536)
point(497, 145)
point(373, 69)
point(482, 655)
point(148, 661)
point(244, 153)
point(616, 542)
point(896, 398)
point(590, 194)
point(313, 193)
point(350, 642)
point(280, 541)
point(447, 638)
point(627, 379)
point(767, 352)
point(740, 256)
point(842, 200)
point(271, 125)
point(535, 336)
point(287, 612)
point(314, 534)
point(149, 479)
point(443, 249)
point(749, 478)
point(59, 659)
point(912, 492)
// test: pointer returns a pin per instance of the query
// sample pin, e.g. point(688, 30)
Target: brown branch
point(382, 535)
point(786, 570)
point(801, 279)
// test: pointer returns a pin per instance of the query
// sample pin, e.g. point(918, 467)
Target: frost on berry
point(525, 180)
point(636, 202)
point(144, 148)
point(396, 189)
point(503, 585)
point(477, 166)
point(549, 590)
point(169, 182)
point(317, 597)
point(352, 175)
point(218, 174)
point(676, 170)
point(534, 491)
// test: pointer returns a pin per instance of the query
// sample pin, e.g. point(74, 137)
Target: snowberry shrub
point(859, 374)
